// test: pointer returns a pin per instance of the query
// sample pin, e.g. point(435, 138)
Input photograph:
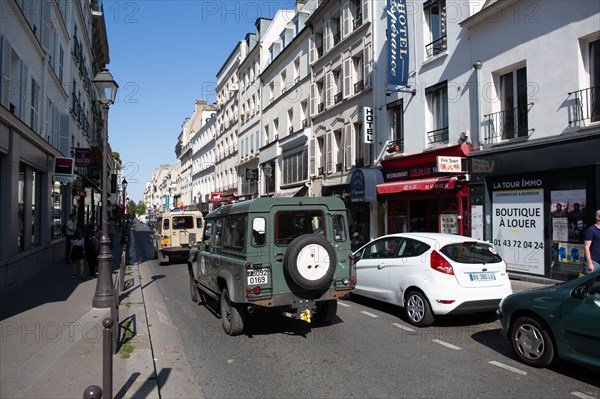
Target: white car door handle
point(381, 266)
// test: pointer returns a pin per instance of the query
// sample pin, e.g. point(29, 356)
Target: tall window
point(513, 98)
point(397, 124)
point(595, 80)
point(435, 12)
point(295, 167)
point(437, 101)
point(36, 208)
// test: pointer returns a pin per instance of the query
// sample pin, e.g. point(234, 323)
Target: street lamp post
point(124, 188)
point(105, 295)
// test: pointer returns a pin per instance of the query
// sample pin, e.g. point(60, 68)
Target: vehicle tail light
point(256, 290)
point(440, 264)
point(505, 266)
point(248, 265)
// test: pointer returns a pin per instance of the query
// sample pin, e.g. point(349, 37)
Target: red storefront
point(422, 197)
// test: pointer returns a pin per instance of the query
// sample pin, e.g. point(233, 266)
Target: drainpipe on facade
point(477, 137)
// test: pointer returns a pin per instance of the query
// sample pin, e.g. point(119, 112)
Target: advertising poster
point(571, 253)
point(568, 209)
point(449, 223)
point(518, 228)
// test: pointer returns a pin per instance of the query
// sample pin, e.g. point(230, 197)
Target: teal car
point(560, 321)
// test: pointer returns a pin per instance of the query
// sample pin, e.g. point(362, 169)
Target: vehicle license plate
point(482, 276)
point(257, 276)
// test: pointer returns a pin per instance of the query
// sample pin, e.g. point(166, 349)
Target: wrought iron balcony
point(305, 122)
point(337, 98)
point(357, 22)
point(359, 86)
point(438, 136)
point(436, 47)
point(321, 107)
point(395, 146)
point(586, 107)
point(507, 125)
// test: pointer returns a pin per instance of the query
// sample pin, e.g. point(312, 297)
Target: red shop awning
point(434, 183)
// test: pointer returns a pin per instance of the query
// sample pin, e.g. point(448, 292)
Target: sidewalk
point(51, 337)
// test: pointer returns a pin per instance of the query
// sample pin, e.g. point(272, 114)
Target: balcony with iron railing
point(438, 136)
point(510, 124)
point(357, 22)
point(586, 106)
point(321, 107)
point(359, 86)
point(436, 47)
point(337, 98)
point(305, 122)
point(394, 146)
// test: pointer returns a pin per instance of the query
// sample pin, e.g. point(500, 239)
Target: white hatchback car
point(432, 274)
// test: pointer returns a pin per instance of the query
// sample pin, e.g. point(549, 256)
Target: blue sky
point(165, 55)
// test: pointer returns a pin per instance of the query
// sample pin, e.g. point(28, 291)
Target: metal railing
point(437, 136)
point(586, 106)
point(359, 86)
point(436, 47)
point(507, 125)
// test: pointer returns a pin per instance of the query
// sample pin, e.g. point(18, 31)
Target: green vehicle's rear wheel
point(232, 315)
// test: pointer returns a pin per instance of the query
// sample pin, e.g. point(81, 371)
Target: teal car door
point(581, 321)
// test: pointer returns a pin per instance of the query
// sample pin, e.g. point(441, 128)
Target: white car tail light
point(440, 264)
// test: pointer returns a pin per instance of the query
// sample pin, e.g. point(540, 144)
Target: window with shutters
point(367, 64)
point(362, 150)
point(337, 151)
point(348, 146)
point(336, 85)
point(35, 105)
point(336, 32)
point(313, 157)
point(347, 76)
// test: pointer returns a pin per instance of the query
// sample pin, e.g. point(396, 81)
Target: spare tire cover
point(310, 261)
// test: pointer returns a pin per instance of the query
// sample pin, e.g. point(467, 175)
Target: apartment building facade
point(50, 52)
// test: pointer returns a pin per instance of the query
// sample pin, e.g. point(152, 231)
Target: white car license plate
point(482, 276)
point(257, 276)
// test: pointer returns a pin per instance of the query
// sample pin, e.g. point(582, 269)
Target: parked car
point(431, 274)
point(560, 321)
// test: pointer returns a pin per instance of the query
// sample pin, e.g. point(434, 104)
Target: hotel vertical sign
point(397, 32)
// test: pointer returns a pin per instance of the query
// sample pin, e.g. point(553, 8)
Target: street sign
point(94, 172)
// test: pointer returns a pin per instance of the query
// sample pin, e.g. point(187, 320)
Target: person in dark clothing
point(92, 247)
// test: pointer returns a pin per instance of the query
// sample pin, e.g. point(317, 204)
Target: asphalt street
point(369, 351)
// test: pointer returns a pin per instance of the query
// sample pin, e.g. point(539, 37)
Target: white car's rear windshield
point(471, 252)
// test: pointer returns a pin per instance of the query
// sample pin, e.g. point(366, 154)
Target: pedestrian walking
point(77, 253)
point(70, 228)
point(91, 249)
point(591, 246)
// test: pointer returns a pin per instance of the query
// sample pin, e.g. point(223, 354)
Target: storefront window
point(56, 206)
point(21, 207)
point(36, 207)
point(567, 208)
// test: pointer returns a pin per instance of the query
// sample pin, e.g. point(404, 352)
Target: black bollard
point(92, 392)
point(107, 347)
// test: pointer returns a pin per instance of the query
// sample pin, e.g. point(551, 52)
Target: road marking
point(446, 344)
point(509, 368)
point(343, 304)
point(400, 326)
point(582, 395)
point(369, 314)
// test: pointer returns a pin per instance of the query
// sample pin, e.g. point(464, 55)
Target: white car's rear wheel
point(418, 310)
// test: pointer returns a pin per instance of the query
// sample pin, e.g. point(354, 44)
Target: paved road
point(369, 351)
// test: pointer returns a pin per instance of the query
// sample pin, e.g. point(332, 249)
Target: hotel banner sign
point(397, 38)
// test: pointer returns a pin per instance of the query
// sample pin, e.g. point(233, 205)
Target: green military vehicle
point(289, 255)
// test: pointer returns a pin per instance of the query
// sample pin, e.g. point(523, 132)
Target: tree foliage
point(117, 157)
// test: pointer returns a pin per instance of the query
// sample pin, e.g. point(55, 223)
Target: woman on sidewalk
point(76, 254)
point(91, 249)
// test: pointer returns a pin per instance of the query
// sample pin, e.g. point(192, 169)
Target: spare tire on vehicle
point(310, 261)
